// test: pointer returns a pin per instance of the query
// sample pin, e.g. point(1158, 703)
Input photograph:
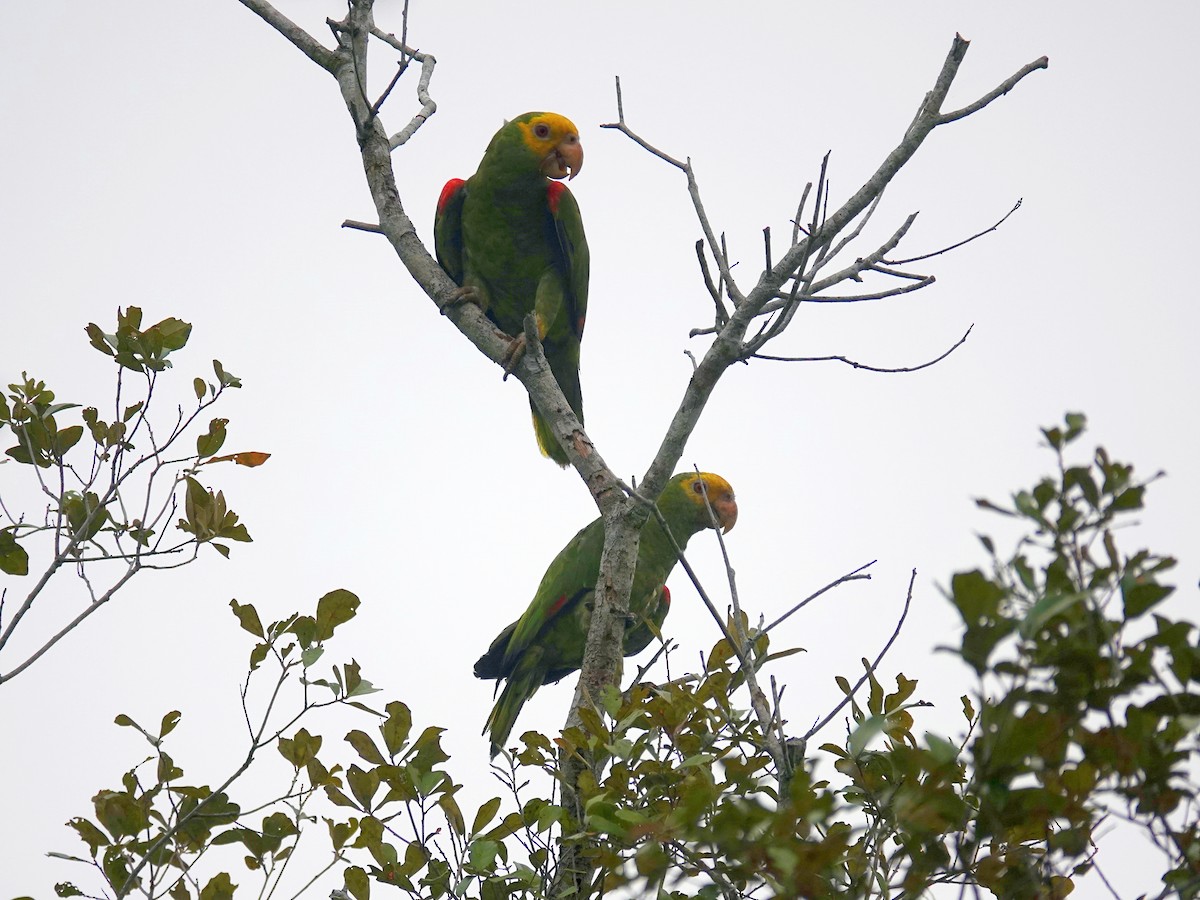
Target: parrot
point(547, 642)
point(512, 238)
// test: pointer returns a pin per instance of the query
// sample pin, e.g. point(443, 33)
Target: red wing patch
point(556, 606)
point(666, 596)
point(453, 186)
point(554, 192)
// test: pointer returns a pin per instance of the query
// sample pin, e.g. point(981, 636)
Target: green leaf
point(120, 814)
point(13, 558)
point(396, 729)
point(486, 813)
point(210, 442)
point(1130, 498)
point(976, 597)
point(225, 379)
point(334, 609)
point(482, 855)
point(1142, 596)
point(219, 887)
point(173, 332)
point(258, 654)
point(1046, 609)
point(968, 708)
point(101, 341)
point(1174, 705)
point(247, 617)
point(864, 733)
point(300, 749)
point(357, 883)
point(365, 747)
point(89, 834)
point(67, 438)
point(169, 721)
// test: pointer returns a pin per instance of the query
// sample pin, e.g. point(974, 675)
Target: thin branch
point(857, 365)
point(925, 282)
point(856, 575)
point(693, 191)
point(363, 226)
point(873, 667)
point(1003, 219)
point(1007, 85)
point(620, 126)
point(428, 63)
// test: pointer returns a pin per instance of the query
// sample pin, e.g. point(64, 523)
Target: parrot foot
point(465, 294)
point(512, 357)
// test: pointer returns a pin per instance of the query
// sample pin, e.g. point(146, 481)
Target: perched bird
point(512, 238)
point(547, 642)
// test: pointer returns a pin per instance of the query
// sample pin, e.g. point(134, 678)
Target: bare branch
point(362, 226)
point(722, 258)
point(301, 39)
point(911, 259)
point(925, 282)
point(1007, 85)
point(857, 365)
point(428, 62)
point(856, 575)
point(620, 126)
point(873, 667)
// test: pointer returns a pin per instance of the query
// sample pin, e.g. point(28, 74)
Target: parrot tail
point(566, 372)
point(520, 686)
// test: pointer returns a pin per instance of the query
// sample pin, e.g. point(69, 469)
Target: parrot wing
point(447, 228)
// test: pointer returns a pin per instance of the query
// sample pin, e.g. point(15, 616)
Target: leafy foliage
point(111, 484)
point(1084, 711)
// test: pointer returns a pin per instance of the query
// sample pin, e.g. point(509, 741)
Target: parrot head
point(705, 489)
point(554, 142)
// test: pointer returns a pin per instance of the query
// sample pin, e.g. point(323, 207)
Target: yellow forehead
point(714, 486)
point(560, 127)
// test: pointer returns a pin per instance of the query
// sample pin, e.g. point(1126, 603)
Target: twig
point(362, 226)
point(849, 576)
point(857, 365)
point(925, 282)
point(911, 259)
point(1007, 85)
point(872, 668)
point(735, 295)
point(428, 63)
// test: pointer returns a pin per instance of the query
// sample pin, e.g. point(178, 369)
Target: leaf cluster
point(111, 486)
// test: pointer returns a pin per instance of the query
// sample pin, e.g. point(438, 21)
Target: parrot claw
point(465, 294)
point(513, 357)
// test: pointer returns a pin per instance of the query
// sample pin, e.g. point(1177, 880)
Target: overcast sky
point(182, 157)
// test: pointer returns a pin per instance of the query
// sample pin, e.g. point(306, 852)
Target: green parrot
point(511, 236)
point(548, 641)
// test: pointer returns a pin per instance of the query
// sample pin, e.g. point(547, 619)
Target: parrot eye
point(698, 486)
point(541, 130)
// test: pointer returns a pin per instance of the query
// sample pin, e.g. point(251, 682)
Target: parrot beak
point(566, 160)
point(726, 509)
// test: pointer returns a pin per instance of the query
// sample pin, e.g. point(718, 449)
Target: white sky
point(185, 159)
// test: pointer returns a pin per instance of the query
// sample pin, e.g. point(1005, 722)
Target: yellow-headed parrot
point(511, 236)
point(548, 641)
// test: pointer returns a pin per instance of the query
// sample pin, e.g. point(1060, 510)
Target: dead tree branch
point(857, 365)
